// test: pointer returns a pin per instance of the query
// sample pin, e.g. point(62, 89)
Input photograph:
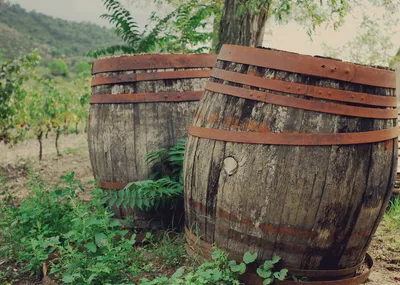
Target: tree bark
point(47, 132)
point(239, 27)
point(39, 138)
point(76, 128)
point(57, 137)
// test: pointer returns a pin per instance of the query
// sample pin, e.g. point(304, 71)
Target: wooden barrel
point(291, 155)
point(139, 104)
point(396, 190)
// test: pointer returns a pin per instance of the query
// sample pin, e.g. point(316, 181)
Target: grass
point(392, 218)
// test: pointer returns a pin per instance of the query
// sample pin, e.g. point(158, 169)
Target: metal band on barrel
point(320, 139)
point(153, 61)
point(323, 107)
point(168, 96)
point(136, 77)
point(308, 65)
point(113, 185)
point(306, 90)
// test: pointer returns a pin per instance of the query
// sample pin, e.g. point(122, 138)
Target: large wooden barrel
point(291, 155)
point(139, 104)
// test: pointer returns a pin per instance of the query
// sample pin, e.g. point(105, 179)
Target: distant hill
point(22, 31)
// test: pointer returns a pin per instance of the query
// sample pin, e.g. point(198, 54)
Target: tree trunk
point(240, 27)
point(57, 137)
point(47, 132)
point(39, 138)
point(215, 39)
point(76, 128)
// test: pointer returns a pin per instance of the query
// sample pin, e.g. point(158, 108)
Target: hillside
point(22, 31)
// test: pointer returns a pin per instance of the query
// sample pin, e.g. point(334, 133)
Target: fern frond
point(126, 26)
point(112, 50)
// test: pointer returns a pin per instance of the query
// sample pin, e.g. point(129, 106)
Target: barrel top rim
point(152, 54)
point(153, 61)
point(379, 67)
point(310, 65)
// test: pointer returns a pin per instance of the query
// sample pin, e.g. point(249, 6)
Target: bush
point(59, 68)
point(83, 67)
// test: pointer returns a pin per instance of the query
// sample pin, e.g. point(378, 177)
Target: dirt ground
point(15, 163)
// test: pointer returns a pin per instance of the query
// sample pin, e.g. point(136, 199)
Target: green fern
point(146, 195)
point(163, 189)
point(183, 30)
point(167, 163)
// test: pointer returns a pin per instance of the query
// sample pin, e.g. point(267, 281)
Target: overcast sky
point(289, 37)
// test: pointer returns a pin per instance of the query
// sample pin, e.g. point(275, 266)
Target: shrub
point(83, 67)
point(59, 68)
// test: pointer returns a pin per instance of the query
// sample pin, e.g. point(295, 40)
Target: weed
point(392, 216)
point(71, 150)
point(392, 220)
point(77, 240)
point(169, 249)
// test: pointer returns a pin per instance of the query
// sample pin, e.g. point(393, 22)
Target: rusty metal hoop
point(168, 96)
point(150, 76)
point(113, 185)
point(308, 65)
point(323, 107)
point(303, 139)
point(305, 90)
point(153, 61)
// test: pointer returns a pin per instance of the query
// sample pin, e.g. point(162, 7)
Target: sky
point(290, 37)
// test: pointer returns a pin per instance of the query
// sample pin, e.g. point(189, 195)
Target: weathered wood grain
point(315, 206)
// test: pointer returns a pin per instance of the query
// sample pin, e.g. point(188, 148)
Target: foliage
point(221, 271)
point(163, 189)
point(146, 195)
point(395, 60)
point(83, 67)
point(52, 227)
point(79, 243)
point(13, 74)
point(308, 13)
point(183, 30)
point(266, 271)
point(54, 105)
point(39, 104)
point(372, 46)
point(59, 68)
point(392, 216)
point(189, 30)
point(21, 31)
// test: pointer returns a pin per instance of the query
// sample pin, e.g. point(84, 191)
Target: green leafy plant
point(220, 270)
point(78, 241)
point(216, 271)
point(266, 271)
point(183, 30)
point(145, 195)
point(13, 74)
point(163, 189)
point(392, 216)
point(59, 68)
point(83, 67)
